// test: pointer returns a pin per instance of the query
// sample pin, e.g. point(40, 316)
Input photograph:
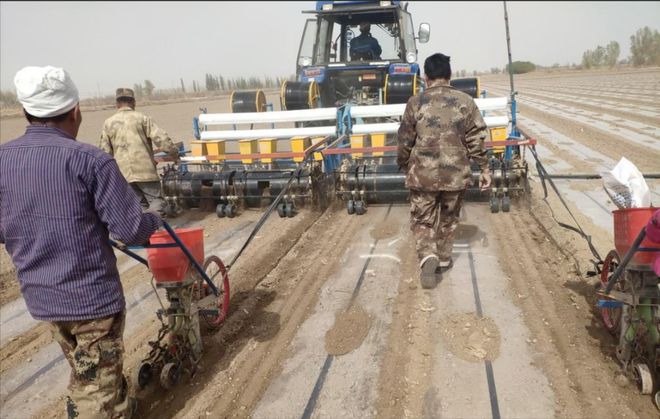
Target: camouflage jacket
point(129, 136)
point(441, 130)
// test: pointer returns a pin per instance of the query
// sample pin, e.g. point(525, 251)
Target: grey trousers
point(149, 195)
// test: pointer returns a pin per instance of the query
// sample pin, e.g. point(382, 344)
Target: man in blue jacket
point(365, 46)
point(60, 200)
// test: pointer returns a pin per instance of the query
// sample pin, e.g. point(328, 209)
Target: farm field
point(327, 317)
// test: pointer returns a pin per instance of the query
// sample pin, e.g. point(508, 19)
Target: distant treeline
point(644, 51)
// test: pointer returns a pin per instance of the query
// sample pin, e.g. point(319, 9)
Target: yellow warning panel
point(378, 140)
point(247, 147)
point(299, 145)
point(498, 135)
point(317, 156)
point(267, 146)
point(215, 148)
point(198, 148)
point(358, 141)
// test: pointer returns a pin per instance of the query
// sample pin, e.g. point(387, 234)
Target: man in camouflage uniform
point(441, 130)
point(129, 136)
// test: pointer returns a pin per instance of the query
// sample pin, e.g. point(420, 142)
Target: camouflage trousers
point(433, 219)
point(95, 351)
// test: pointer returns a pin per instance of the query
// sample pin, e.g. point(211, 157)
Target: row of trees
point(644, 50)
point(602, 56)
point(218, 82)
point(645, 47)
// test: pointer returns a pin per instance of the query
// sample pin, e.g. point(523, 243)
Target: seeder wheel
point(506, 204)
point(169, 375)
point(142, 375)
point(220, 210)
point(350, 207)
point(611, 316)
point(216, 270)
point(643, 377)
point(360, 208)
point(494, 204)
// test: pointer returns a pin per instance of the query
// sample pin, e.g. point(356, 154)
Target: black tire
point(494, 205)
point(350, 207)
point(220, 210)
point(289, 210)
point(360, 208)
point(506, 204)
point(169, 375)
point(280, 210)
point(230, 210)
point(142, 375)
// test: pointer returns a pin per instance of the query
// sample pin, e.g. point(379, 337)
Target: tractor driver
point(365, 46)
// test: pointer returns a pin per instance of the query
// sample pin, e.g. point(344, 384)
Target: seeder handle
point(626, 259)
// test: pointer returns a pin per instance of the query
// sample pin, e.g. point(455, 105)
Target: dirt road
point(328, 319)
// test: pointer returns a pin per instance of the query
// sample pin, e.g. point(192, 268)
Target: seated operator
point(365, 46)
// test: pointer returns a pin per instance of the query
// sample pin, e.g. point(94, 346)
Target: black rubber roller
point(468, 85)
point(299, 95)
point(399, 88)
point(248, 101)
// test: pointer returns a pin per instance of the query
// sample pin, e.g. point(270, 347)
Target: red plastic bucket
point(628, 223)
point(171, 264)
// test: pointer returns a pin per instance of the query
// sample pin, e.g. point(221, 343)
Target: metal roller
point(399, 88)
point(254, 188)
point(468, 85)
point(247, 101)
point(297, 95)
point(191, 187)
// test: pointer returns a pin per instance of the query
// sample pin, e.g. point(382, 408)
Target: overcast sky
point(105, 45)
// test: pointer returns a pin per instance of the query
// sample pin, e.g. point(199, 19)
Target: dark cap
point(124, 92)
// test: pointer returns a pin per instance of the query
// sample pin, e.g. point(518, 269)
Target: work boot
point(428, 266)
point(131, 411)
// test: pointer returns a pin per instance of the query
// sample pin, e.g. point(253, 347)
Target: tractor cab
point(351, 64)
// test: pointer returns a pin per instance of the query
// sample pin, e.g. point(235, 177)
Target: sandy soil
point(277, 284)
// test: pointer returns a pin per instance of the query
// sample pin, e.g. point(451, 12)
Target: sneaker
point(428, 266)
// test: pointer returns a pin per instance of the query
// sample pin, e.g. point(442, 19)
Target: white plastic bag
point(626, 186)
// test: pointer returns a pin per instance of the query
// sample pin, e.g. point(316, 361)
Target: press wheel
point(643, 377)
point(215, 269)
point(611, 315)
point(350, 207)
point(169, 375)
point(220, 210)
point(142, 375)
point(494, 205)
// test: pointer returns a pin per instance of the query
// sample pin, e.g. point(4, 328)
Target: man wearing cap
point(59, 202)
point(129, 136)
point(365, 46)
point(441, 131)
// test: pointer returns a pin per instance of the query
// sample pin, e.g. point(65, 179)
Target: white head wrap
point(46, 91)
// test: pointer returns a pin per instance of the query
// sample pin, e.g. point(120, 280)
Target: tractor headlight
point(411, 57)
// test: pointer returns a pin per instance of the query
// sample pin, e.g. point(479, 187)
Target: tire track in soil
point(404, 380)
point(576, 353)
point(243, 356)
